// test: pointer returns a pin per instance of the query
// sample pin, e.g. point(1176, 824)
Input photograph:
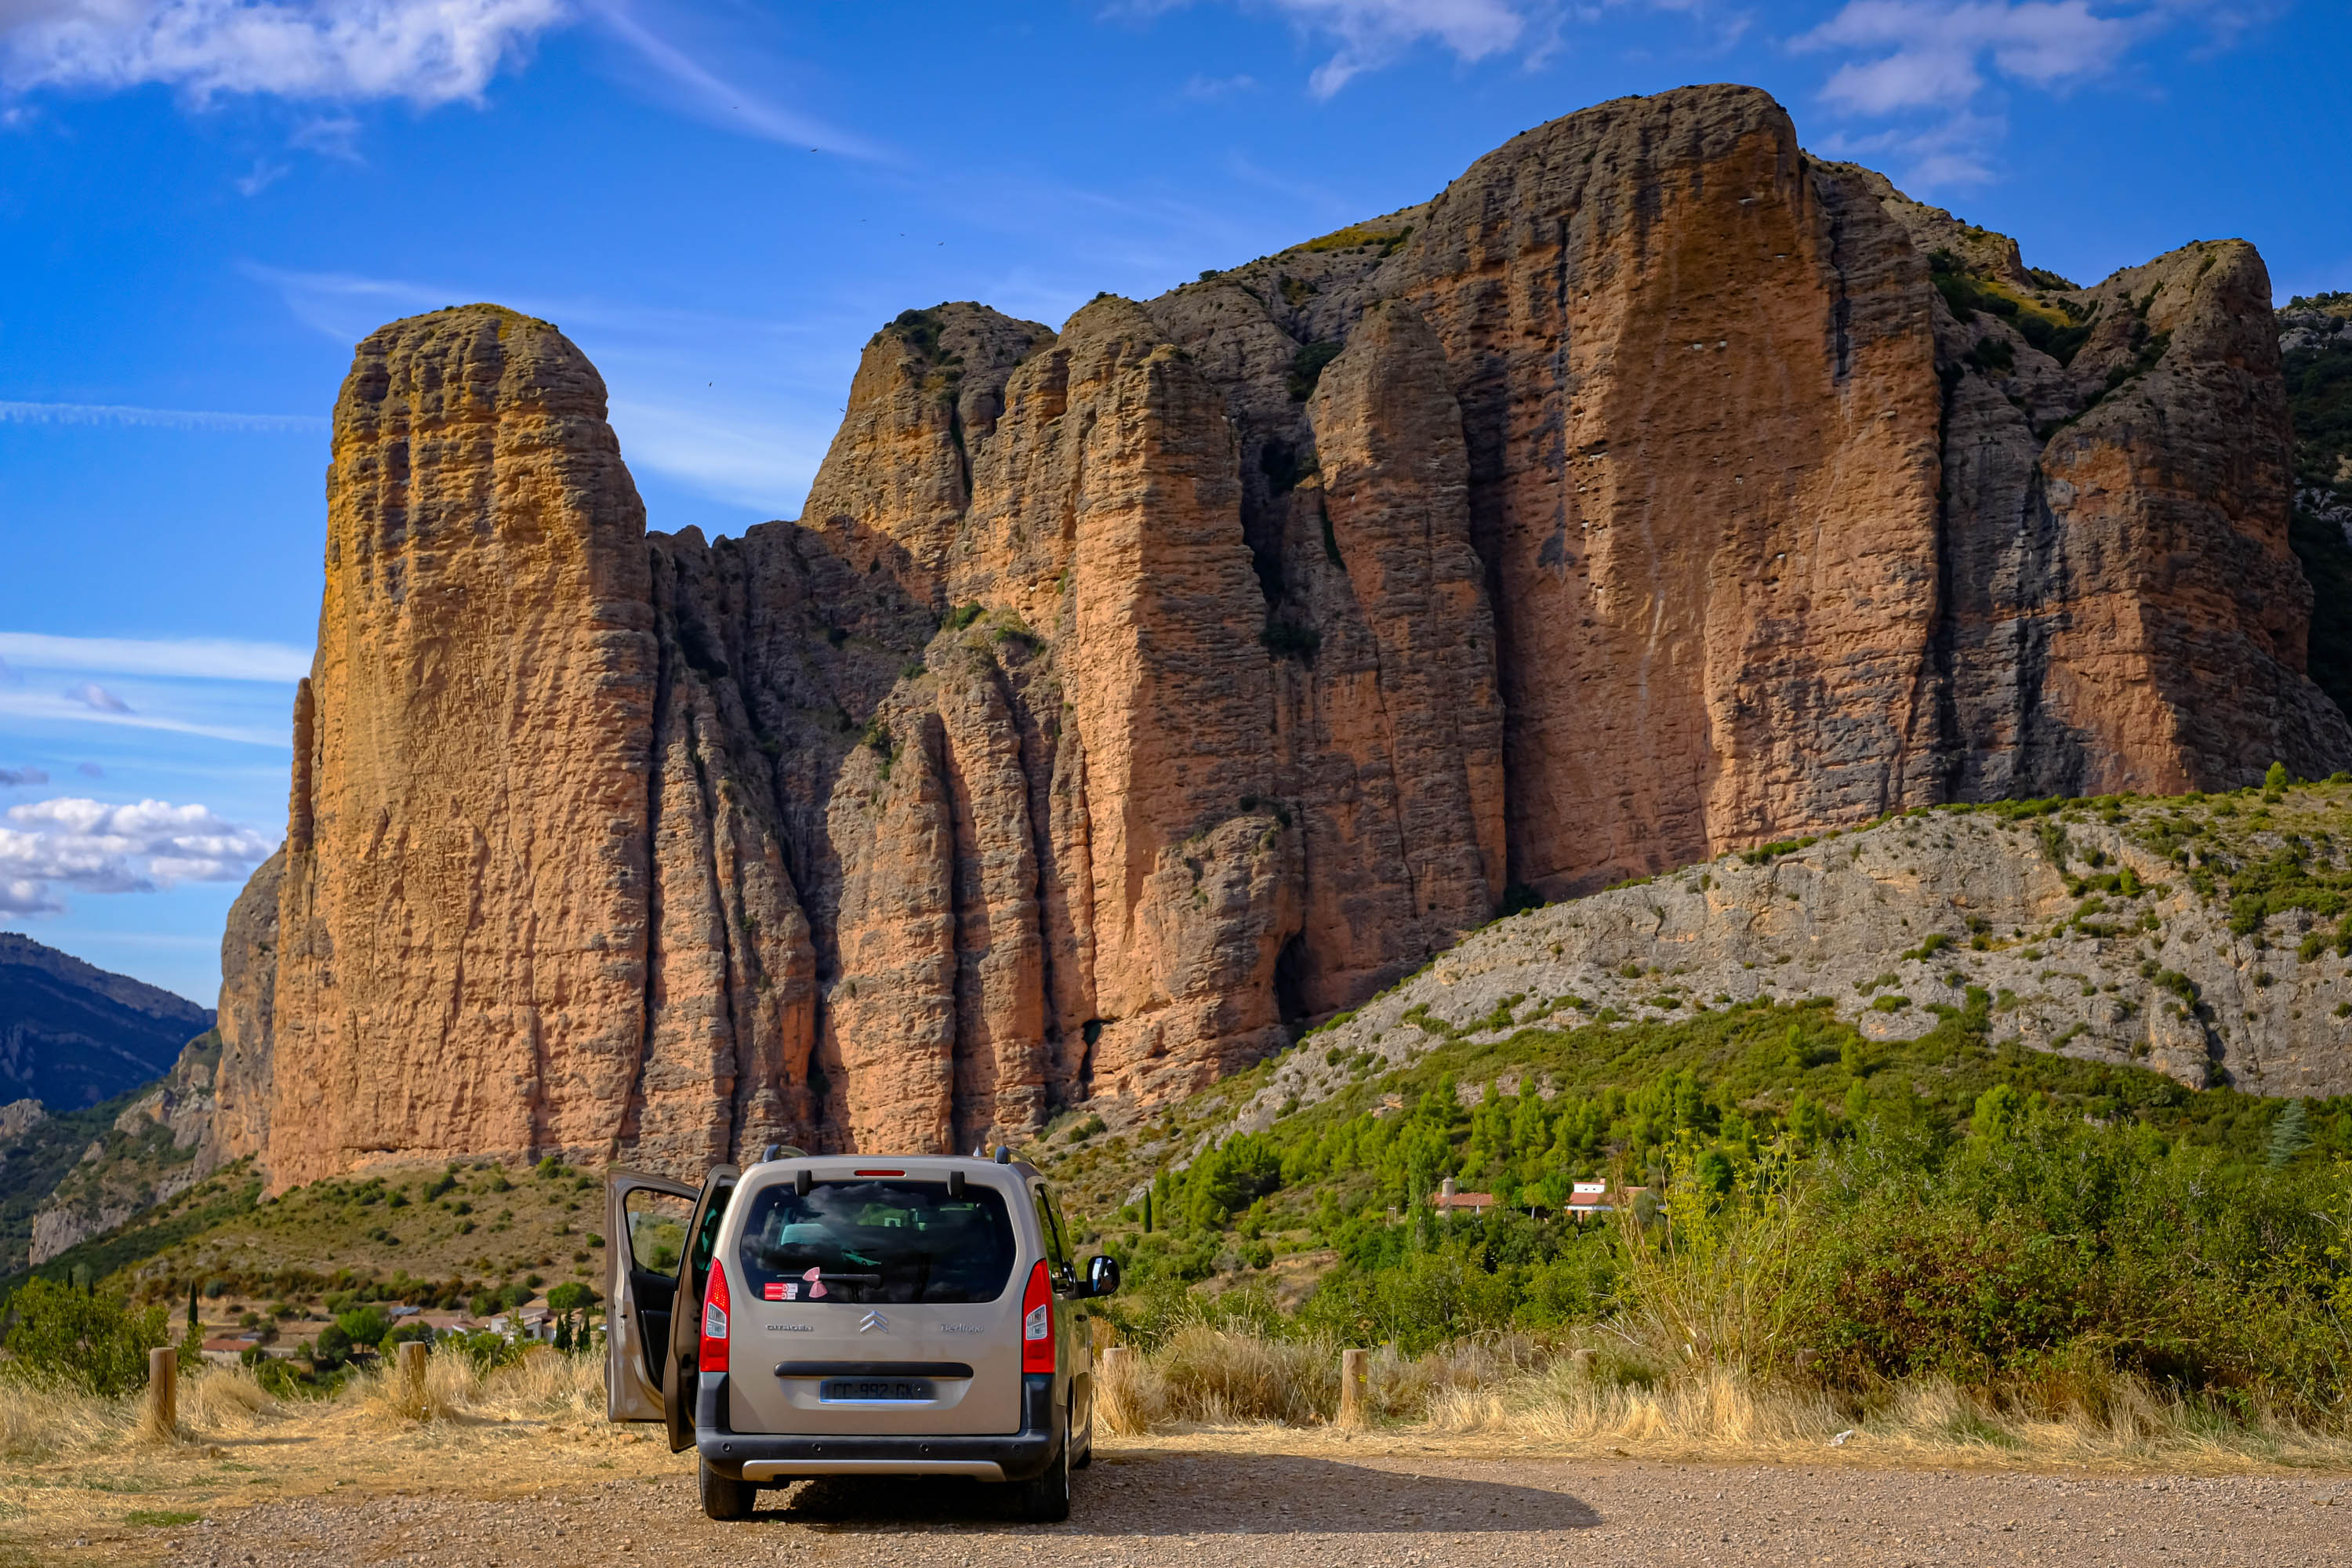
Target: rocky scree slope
point(2203, 937)
point(1129, 694)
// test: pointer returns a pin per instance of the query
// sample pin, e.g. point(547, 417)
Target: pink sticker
point(813, 1274)
point(816, 1289)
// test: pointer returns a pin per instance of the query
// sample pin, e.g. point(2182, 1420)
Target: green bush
point(95, 1342)
point(1306, 369)
point(364, 1325)
point(332, 1345)
point(570, 1296)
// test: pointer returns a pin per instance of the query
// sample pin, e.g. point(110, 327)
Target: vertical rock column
point(1700, 401)
point(241, 1083)
point(463, 922)
point(1195, 871)
point(1414, 854)
point(2178, 659)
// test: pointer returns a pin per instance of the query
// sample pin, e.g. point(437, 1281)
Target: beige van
point(854, 1314)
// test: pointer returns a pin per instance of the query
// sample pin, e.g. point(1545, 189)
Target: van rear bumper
point(772, 1457)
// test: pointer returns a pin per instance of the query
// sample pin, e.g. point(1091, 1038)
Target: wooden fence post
point(412, 1373)
point(162, 1393)
point(1355, 1378)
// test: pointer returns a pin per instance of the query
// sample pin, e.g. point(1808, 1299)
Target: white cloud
point(87, 846)
point(1952, 151)
point(426, 51)
point(1371, 32)
point(1933, 53)
point(205, 658)
point(1911, 59)
point(157, 419)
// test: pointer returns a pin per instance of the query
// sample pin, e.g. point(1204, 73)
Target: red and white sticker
point(775, 1292)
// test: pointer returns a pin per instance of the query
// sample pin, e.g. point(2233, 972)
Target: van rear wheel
point(724, 1497)
point(1046, 1499)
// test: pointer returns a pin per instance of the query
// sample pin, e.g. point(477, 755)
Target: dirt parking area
point(1207, 1501)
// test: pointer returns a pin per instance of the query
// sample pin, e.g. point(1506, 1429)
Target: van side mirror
point(1102, 1275)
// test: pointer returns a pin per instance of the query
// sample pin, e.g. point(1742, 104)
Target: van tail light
point(1037, 1322)
point(714, 1320)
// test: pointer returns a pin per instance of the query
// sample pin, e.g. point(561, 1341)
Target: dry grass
point(81, 1471)
point(544, 1385)
point(38, 1421)
point(1219, 1377)
point(1606, 1392)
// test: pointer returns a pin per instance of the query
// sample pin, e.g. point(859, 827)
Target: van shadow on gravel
point(1193, 1494)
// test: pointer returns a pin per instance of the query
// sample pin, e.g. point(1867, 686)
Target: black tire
point(1046, 1499)
point(724, 1497)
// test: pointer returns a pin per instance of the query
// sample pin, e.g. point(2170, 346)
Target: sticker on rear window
point(777, 1292)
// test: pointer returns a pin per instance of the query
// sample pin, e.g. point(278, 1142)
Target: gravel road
point(1141, 1507)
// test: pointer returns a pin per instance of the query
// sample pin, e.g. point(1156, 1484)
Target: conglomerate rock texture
point(1126, 694)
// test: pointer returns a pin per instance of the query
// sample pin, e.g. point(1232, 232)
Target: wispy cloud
point(1209, 89)
point(207, 658)
point(160, 418)
point(702, 92)
point(263, 175)
point(1935, 64)
point(331, 136)
point(17, 778)
point(426, 51)
point(762, 466)
point(87, 845)
point(1373, 33)
point(96, 698)
point(737, 445)
point(27, 706)
point(1933, 53)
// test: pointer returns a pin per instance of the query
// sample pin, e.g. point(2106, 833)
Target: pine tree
point(2289, 1135)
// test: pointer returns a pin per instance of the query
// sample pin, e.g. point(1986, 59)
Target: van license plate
point(871, 1388)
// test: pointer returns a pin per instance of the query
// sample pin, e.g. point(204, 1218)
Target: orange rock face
point(1126, 695)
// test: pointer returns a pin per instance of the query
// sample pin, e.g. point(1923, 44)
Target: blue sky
point(202, 202)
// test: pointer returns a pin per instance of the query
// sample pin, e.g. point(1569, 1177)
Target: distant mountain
point(72, 1034)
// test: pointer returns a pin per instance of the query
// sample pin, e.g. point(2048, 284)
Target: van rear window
point(879, 1241)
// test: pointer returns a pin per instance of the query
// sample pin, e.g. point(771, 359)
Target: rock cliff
point(1129, 693)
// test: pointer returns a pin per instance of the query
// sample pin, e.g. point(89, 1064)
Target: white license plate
point(865, 1390)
